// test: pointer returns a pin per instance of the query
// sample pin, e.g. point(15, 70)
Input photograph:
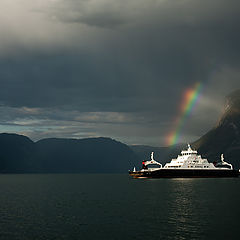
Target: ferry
point(189, 164)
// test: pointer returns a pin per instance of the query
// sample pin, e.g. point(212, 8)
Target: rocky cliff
point(225, 136)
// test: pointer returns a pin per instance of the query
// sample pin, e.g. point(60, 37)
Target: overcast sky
point(115, 68)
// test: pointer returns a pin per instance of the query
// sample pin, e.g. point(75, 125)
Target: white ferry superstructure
point(188, 164)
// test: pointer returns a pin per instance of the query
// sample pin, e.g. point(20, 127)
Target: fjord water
point(114, 206)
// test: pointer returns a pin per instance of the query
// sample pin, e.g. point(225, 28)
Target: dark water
point(117, 207)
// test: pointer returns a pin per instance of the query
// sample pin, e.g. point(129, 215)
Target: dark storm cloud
point(121, 57)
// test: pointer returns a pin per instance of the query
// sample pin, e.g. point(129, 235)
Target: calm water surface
point(105, 206)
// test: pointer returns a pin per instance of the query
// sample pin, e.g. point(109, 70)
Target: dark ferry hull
point(185, 173)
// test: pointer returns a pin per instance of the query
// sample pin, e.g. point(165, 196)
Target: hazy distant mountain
point(93, 155)
point(225, 136)
point(161, 154)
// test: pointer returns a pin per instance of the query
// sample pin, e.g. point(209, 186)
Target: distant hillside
point(161, 154)
point(225, 136)
point(94, 155)
point(16, 153)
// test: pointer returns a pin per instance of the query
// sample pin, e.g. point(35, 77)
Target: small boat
point(188, 164)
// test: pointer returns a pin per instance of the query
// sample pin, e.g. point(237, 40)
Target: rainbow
point(190, 98)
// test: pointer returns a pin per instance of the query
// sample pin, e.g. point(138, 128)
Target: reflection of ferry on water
point(188, 164)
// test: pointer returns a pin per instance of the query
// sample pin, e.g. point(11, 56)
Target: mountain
point(225, 136)
point(92, 155)
point(16, 152)
point(19, 154)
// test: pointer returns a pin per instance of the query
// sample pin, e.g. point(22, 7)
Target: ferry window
point(153, 166)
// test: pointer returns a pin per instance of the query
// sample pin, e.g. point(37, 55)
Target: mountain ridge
point(58, 155)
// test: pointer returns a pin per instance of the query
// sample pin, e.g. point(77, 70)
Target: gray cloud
point(107, 60)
